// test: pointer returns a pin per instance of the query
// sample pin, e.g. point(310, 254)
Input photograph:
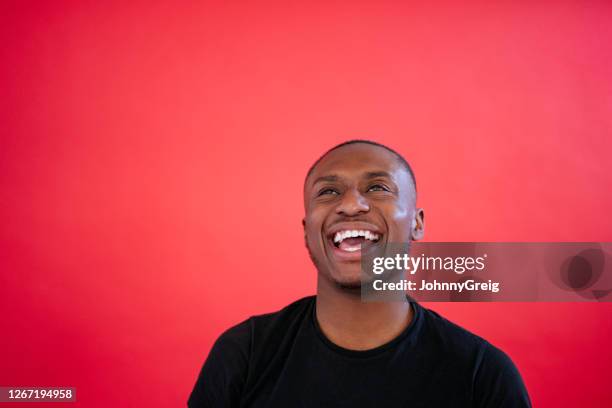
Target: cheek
point(399, 219)
point(313, 228)
point(312, 236)
point(401, 213)
point(403, 209)
point(397, 213)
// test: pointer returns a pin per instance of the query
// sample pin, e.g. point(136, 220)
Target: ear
point(304, 228)
point(418, 225)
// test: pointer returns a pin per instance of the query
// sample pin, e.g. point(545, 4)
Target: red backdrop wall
point(152, 158)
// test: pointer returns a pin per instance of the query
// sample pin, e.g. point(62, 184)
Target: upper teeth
point(342, 235)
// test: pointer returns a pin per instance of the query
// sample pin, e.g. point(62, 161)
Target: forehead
point(355, 160)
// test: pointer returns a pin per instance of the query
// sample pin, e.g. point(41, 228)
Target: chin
point(349, 285)
point(350, 280)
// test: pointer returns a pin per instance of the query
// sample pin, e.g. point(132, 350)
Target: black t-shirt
point(283, 360)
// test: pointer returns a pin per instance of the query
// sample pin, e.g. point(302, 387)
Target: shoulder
point(224, 373)
point(495, 379)
point(456, 339)
point(284, 317)
point(241, 337)
point(449, 337)
point(222, 376)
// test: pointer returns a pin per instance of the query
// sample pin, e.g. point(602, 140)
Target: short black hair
point(401, 158)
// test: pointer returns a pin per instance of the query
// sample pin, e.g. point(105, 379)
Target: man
point(332, 349)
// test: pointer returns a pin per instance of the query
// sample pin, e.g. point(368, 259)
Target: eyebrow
point(331, 177)
point(376, 174)
point(368, 175)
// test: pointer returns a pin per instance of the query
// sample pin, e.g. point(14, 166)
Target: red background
point(152, 158)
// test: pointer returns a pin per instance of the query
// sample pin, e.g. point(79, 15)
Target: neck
point(351, 324)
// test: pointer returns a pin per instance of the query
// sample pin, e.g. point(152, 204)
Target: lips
point(348, 240)
point(351, 240)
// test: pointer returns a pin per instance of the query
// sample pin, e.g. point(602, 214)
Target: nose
point(352, 203)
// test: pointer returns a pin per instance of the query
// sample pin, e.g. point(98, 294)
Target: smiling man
point(332, 349)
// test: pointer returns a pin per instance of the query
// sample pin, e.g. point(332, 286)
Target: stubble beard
point(350, 286)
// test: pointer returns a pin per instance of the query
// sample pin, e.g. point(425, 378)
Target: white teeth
point(342, 235)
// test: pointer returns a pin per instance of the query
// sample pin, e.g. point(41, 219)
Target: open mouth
point(353, 240)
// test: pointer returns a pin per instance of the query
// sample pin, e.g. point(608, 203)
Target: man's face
point(358, 189)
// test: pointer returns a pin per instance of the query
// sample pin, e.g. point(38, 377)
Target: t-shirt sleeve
point(223, 375)
point(497, 381)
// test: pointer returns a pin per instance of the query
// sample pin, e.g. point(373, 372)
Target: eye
point(327, 191)
point(378, 187)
